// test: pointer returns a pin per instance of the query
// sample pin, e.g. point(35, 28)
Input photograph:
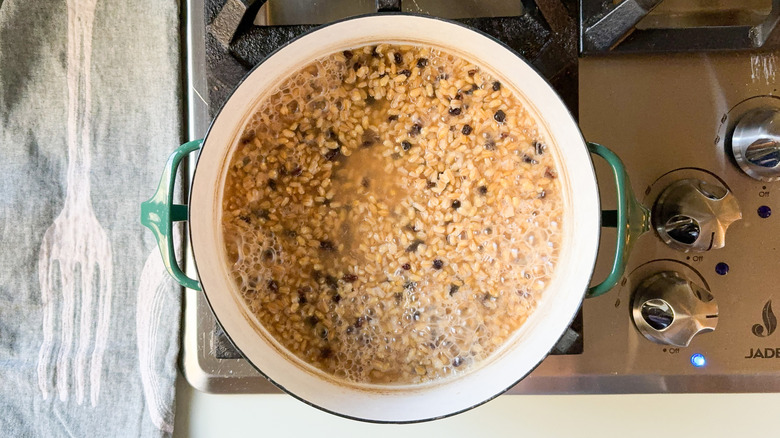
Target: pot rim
point(587, 164)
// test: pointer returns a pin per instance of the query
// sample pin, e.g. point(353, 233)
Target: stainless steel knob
point(755, 144)
point(692, 215)
point(669, 309)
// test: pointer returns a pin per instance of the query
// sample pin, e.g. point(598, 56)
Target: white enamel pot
point(416, 402)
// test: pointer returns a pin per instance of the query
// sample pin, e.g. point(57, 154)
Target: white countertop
point(634, 416)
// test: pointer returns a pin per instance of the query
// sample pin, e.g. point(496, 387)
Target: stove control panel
point(700, 139)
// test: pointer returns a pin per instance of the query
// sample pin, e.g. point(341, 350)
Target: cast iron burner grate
point(645, 26)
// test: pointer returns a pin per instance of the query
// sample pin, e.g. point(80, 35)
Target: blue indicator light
point(764, 211)
point(722, 268)
point(698, 360)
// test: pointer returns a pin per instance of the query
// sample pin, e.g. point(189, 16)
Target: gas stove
point(684, 93)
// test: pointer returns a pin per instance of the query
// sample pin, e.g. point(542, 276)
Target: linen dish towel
point(90, 107)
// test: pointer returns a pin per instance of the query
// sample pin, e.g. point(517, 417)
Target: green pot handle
point(631, 219)
point(159, 213)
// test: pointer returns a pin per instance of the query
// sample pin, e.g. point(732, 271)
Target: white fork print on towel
point(153, 306)
point(75, 261)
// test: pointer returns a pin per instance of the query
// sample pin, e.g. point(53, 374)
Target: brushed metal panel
point(464, 8)
point(661, 113)
point(291, 12)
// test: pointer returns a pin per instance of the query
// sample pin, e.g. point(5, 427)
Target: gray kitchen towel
point(89, 110)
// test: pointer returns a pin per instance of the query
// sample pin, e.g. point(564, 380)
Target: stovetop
point(667, 109)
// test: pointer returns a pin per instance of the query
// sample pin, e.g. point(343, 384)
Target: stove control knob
point(692, 215)
point(669, 309)
point(755, 144)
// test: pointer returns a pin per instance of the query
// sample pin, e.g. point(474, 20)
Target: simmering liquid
point(392, 214)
